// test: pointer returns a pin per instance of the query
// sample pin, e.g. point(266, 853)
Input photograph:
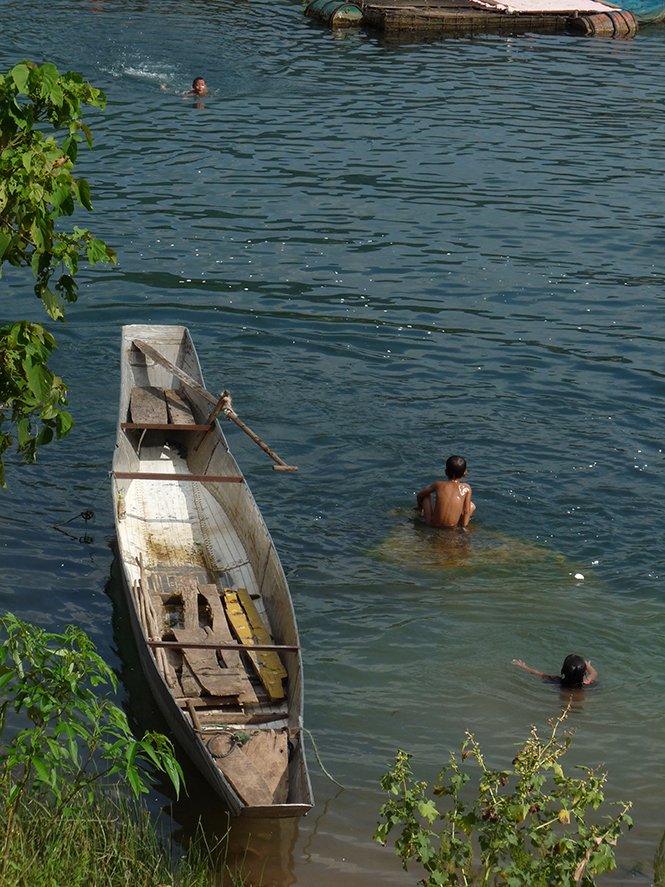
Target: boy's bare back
point(447, 503)
point(451, 505)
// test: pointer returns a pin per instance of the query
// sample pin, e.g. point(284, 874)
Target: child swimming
point(575, 672)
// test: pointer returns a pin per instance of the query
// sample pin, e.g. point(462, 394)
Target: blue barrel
point(334, 14)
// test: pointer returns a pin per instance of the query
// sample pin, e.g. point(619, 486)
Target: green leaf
point(50, 302)
point(84, 197)
point(13, 794)
point(96, 251)
point(37, 187)
point(428, 810)
point(174, 773)
point(23, 428)
point(39, 379)
point(20, 74)
point(135, 783)
point(50, 76)
point(537, 854)
point(5, 242)
point(40, 770)
point(44, 437)
point(88, 134)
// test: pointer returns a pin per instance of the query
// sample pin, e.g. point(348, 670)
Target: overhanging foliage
point(37, 188)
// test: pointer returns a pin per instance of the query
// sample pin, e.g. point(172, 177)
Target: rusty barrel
point(618, 23)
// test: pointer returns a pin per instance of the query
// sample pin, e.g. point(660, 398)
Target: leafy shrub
point(529, 822)
point(73, 738)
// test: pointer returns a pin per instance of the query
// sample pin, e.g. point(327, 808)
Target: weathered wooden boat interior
point(206, 582)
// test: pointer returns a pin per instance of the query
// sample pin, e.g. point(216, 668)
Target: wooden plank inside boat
point(166, 580)
point(260, 634)
point(269, 675)
point(205, 666)
point(148, 404)
point(180, 411)
point(191, 687)
point(264, 749)
point(269, 750)
point(188, 590)
point(220, 626)
point(245, 779)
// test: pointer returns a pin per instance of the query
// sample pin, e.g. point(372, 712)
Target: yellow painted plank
point(269, 677)
point(260, 633)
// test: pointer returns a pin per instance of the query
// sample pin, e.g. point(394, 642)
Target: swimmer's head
point(455, 467)
point(573, 671)
point(199, 86)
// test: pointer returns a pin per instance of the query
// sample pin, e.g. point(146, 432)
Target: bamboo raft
point(209, 603)
point(397, 18)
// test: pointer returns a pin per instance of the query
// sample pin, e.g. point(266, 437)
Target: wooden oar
point(225, 407)
point(149, 351)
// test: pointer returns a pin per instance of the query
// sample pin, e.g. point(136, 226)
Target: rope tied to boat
point(238, 738)
point(226, 404)
point(88, 514)
point(318, 758)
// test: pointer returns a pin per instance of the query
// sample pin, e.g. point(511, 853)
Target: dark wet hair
point(197, 80)
point(455, 467)
point(573, 671)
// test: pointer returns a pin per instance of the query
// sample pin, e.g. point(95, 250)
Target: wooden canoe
point(209, 602)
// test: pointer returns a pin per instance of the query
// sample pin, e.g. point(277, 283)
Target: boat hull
point(204, 584)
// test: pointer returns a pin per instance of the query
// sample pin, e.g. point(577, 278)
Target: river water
point(388, 253)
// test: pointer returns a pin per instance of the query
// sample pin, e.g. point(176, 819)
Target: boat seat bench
point(200, 478)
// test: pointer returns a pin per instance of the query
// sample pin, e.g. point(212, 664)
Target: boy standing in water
point(447, 503)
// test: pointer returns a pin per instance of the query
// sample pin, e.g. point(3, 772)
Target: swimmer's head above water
point(199, 87)
point(455, 467)
point(573, 671)
point(576, 672)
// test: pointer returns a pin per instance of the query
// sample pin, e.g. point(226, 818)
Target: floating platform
point(395, 17)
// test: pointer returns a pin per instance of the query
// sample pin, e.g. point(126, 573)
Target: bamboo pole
point(151, 624)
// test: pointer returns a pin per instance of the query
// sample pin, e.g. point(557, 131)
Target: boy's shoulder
point(454, 486)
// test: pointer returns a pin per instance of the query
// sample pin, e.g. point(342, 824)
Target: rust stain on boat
point(161, 550)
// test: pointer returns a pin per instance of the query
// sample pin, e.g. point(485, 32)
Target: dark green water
point(388, 254)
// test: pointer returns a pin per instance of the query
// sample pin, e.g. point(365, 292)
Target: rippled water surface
point(388, 253)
